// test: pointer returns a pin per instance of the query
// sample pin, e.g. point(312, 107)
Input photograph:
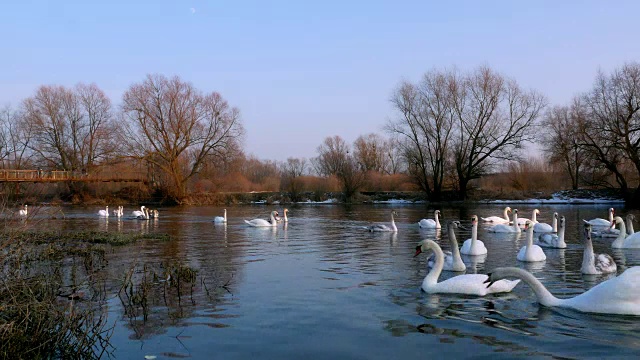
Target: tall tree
point(494, 118)
point(369, 151)
point(335, 158)
point(175, 127)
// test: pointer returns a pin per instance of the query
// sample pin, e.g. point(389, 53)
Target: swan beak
point(418, 251)
point(462, 227)
point(488, 280)
point(613, 224)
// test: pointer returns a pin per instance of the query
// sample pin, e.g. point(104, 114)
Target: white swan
point(144, 215)
point(594, 264)
point(630, 217)
point(546, 228)
point(119, 211)
point(431, 223)
point(452, 259)
point(385, 227)
point(534, 218)
point(221, 219)
point(154, 214)
point(470, 284)
point(633, 237)
point(140, 212)
point(601, 221)
point(284, 219)
point(618, 295)
point(104, 213)
point(553, 240)
point(531, 252)
point(24, 211)
point(506, 228)
point(264, 223)
point(497, 219)
point(473, 246)
point(623, 241)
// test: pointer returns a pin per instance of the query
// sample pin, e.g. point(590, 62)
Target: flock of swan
point(143, 214)
point(618, 295)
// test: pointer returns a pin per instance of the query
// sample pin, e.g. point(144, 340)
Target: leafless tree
point(175, 127)
point(292, 170)
point(425, 127)
point(335, 158)
point(71, 127)
point(494, 118)
point(560, 139)
point(16, 135)
point(610, 131)
point(369, 151)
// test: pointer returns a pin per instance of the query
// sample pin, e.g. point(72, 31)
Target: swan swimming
point(531, 252)
point(431, 223)
point(506, 228)
point(136, 213)
point(24, 211)
point(144, 215)
point(284, 219)
point(104, 213)
point(553, 240)
point(264, 223)
point(499, 220)
point(534, 218)
point(473, 246)
point(546, 228)
point(601, 221)
point(384, 227)
point(594, 264)
point(618, 295)
point(452, 259)
point(221, 219)
point(623, 241)
point(469, 284)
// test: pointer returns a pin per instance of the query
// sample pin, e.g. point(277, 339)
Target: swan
point(553, 240)
point(469, 284)
point(601, 221)
point(497, 219)
point(431, 223)
point(633, 237)
point(143, 216)
point(104, 213)
point(546, 228)
point(119, 211)
point(285, 219)
point(221, 219)
point(623, 241)
point(531, 252)
point(506, 228)
point(473, 246)
point(452, 259)
point(534, 218)
point(137, 213)
point(264, 223)
point(629, 224)
point(24, 211)
point(154, 214)
point(594, 264)
point(618, 295)
point(385, 227)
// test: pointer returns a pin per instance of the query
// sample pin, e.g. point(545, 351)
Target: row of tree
point(450, 128)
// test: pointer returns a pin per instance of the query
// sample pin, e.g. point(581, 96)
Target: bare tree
point(71, 127)
point(425, 127)
point(335, 158)
point(175, 127)
point(369, 152)
point(610, 131)
point(494, 118)
point(560, 139)
point(16, 135)
point(292, 170)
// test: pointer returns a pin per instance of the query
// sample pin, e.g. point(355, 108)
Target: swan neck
point(515, 222)
point(629, 226)
point(554, 224)
point(561, 234)
point(455, 251)
point(588, 257)
point(474, 234)
point(542, 294)
point(506, 214)
point(534, 217)
point(619, 241)
point(434, 274)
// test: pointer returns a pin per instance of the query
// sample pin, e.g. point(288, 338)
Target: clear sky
point(300, 71)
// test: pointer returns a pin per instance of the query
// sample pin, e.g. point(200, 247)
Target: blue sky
point(301, 71)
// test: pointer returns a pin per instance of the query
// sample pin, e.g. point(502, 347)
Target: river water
point(322, 287)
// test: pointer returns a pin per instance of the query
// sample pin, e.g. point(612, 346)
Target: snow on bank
point(559, 199)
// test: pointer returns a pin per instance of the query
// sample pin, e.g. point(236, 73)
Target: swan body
point(473, 246)
point(531, 252)
point(534, 219)
point(24, 211)
point(119, 211)
point(601, 221)
point(431, 223)
point(623, 241)
point(384, 227)
point(595, 264)
point(546, 228)
point(452, 259)
point(154, 214)
point(264, 223)
point(497, 219)
point(506, 228)
point(469, 284)
point(618, 295)
point(221, 219)
point(137, 213)
point(144, 215)
point(104, 213)
point(552, 240)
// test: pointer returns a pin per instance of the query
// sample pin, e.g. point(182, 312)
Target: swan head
point(285, 210)
point(423, 246)
point(508, 209)
point(587, 231)
point(454, 224)
point(474, 219)
point(616, 220)
point(555, 215)
point(528, 225)
point(562, 220)
point(536, 211)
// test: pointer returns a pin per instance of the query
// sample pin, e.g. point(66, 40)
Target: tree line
point(450, 128)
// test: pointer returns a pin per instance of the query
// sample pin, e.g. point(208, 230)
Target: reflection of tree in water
point(156, 297)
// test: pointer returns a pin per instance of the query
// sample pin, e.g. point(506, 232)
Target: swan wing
point(599, 222)
point(219, 219)
point(632, 241)
point(471, 284)
point(542, 228)
point(258, 222)
point(427, 223)
point(619, 295)
point(495, 219)
point(605, 264)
